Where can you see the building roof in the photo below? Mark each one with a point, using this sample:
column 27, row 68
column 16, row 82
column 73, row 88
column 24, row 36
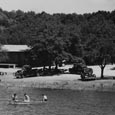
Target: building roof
column 14, row 48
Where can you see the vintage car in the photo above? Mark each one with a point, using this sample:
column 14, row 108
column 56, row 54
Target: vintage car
column 81, row 69
column 26, row 71
column 48, row 72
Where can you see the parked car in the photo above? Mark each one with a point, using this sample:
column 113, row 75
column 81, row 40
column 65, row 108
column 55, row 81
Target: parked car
column 81, row 69
column 26, row 71
column 87, row 77
column 47, row 72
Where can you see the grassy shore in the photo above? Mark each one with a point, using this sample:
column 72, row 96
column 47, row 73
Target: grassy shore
column 64, row 81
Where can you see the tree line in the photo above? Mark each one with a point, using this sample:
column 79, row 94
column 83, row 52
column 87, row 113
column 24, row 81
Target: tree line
column 57, row 37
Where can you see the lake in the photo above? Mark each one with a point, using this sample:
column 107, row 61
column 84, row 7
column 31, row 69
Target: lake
column 60, row 102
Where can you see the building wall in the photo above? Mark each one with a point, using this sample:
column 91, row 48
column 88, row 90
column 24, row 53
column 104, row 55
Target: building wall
column 18, row 58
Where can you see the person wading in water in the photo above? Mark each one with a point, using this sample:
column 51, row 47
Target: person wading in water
column 44, row 99
column 14, row 97
column 26, row 98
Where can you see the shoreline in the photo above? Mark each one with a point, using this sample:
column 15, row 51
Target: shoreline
column 63, row 81
column 74, row 84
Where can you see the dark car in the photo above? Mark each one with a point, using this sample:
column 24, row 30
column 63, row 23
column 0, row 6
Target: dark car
column 85, row 72
column 26, row 71
column 48, row 72
column 79, row 68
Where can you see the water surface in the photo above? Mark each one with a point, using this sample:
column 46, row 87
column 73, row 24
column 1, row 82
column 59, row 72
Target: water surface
column 60, row 102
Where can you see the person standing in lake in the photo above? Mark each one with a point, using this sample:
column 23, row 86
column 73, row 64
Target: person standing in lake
column 44, row 99
column 26, row 98
column 14, row 97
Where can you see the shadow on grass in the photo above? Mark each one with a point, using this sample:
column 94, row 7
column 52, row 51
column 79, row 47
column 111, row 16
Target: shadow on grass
column 106, row 78
column 99, row 78
column 86, row 79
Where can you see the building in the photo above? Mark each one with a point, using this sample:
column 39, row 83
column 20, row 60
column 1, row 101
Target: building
column 16, row 55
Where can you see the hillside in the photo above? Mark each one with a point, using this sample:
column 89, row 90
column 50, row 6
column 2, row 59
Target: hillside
column 59, row 37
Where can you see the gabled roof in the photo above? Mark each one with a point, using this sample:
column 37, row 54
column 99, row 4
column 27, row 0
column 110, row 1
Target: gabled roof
column 14, row 48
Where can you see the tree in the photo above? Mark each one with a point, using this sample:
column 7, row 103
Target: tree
column 103, row 58
column 104, row 54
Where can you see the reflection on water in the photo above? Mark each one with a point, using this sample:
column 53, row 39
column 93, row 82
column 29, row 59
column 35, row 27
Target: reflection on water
column 60, row 102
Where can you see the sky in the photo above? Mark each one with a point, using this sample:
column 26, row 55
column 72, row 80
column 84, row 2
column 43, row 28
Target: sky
column 58, row 6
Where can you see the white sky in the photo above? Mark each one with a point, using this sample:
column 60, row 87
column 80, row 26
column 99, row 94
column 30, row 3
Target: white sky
column 58, row 6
